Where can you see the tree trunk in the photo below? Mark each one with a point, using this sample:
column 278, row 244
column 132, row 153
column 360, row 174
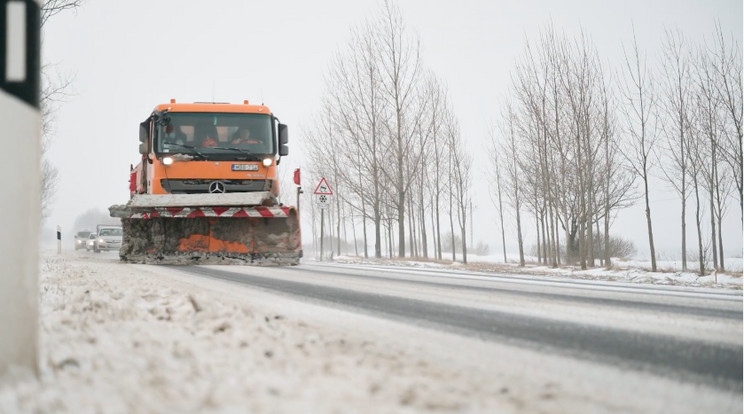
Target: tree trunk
column 434, row 229
column 713, row 238
column 648, row 223
column 463, row 232
column 720, row 246
column 439, row 230
column 537, row 235
column 353, row 232
column 553, row 243
column 364, row 228
column 698, row 219
column 422, row 214
column 607, row 259
column 412, row 249
column 684, row 231
column 557, row 240
column 378, row 233
column 401, row 222
column 452, row 233
column 338, row 222
column 546, row 246
column 519, row 235
column 501, row 217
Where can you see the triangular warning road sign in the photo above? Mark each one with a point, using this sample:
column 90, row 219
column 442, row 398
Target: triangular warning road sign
column 323, row 188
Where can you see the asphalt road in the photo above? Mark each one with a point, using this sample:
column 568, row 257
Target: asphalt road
column 687, row 334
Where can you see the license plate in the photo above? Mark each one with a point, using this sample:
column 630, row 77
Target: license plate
column 245, row 167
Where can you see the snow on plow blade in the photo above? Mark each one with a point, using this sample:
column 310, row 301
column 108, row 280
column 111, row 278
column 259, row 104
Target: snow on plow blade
column 226, row 232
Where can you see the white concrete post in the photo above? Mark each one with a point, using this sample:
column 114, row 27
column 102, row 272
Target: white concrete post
column 20, row 180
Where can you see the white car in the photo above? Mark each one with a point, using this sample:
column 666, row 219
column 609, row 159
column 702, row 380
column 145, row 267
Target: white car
column 90, row 244
column 81, row 239
column 108, row 238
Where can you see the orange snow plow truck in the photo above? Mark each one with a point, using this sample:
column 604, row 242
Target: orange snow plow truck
column 206, row 189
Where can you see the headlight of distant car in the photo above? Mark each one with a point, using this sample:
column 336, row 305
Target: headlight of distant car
column 101, row 241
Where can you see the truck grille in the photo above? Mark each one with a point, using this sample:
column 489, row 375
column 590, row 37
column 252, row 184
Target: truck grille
column 194, row 186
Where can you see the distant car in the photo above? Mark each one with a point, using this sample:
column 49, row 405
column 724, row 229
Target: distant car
column 81, row 238
column 90, row 244
column 108, row 238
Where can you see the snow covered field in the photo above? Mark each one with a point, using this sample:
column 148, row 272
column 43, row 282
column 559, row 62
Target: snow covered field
column 120, row 338
column 669, row 273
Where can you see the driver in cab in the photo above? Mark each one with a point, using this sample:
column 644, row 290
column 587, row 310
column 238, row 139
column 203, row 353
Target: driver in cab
column 243, row 137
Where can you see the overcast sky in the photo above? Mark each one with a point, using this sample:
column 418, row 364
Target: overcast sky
column 124, row 57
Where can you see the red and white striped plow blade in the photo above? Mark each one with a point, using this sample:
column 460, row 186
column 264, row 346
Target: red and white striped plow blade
column 223, row 212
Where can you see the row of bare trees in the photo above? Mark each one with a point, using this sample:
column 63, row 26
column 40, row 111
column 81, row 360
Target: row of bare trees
column 701, row 101
column 387, row 140
column 557, row 147
column 574, row 141
column 54, row 90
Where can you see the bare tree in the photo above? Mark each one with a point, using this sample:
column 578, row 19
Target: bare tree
column 616, row 185
column 496, row 159
column 727, row 64
column 642, row 130
column 51, row 8
column 513, row 172
column 460, row 178
column 711, row 125
column 355, row 87
column 676, row 107
column 434, row 167
column 54, row 90
column 695, row 154
column 400, row 63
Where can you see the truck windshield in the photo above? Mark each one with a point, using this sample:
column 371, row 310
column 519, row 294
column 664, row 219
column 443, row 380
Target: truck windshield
column 221, row 136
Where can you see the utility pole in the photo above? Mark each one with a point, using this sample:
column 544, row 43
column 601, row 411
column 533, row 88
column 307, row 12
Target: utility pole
column 20, row 179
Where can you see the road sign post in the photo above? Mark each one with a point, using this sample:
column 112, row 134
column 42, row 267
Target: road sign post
column 322, row 226
column 323, row 195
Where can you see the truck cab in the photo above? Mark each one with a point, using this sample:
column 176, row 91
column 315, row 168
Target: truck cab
column 193, row 148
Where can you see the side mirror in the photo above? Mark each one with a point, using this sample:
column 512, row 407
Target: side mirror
column 144, row 137
column 283, row 140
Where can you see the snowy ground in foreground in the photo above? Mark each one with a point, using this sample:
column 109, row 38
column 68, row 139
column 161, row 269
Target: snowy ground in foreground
column 120, row 338
column 143, row 339
column 669, row 273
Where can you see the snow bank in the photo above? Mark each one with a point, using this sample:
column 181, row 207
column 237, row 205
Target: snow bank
column 622, row 271
column 119, row 339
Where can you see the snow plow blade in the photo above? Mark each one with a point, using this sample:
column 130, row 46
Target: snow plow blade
column 208, row 229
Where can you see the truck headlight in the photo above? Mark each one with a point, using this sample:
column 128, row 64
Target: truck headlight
column 267, row 162
column 167, row 161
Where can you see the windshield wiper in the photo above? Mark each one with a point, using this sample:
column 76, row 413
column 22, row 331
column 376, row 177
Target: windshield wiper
column 188, row 147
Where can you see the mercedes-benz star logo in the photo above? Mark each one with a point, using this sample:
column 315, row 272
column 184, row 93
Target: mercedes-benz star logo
column 216, row 187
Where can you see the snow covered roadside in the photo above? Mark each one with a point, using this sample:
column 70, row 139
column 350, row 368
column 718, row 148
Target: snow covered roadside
column 121, row 339
column 622, row 271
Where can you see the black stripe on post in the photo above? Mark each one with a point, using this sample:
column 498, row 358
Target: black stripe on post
column 25, row 87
